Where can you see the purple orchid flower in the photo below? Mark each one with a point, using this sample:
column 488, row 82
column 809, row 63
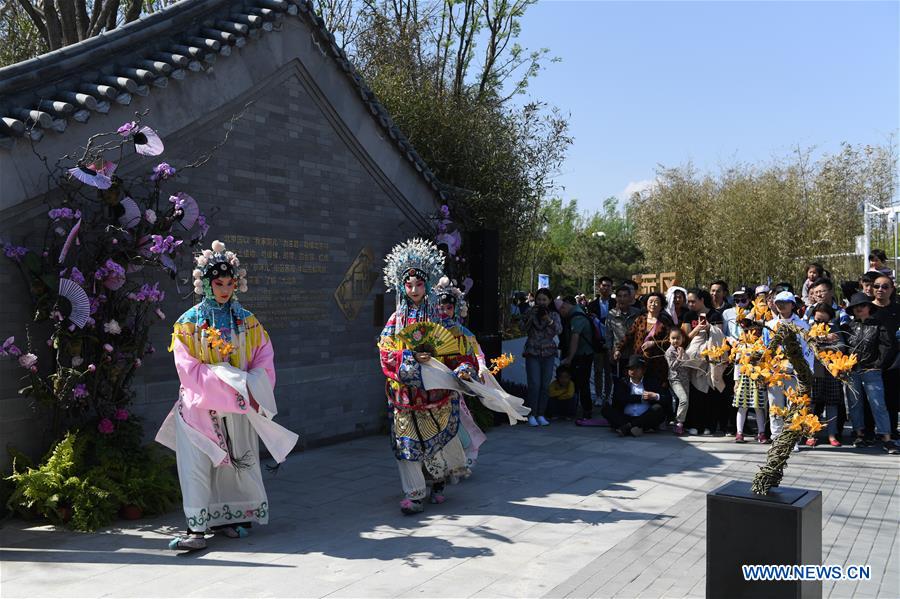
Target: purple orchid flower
column 9, row 348
column 15, row 252
column 164, row 245
column 162, row 171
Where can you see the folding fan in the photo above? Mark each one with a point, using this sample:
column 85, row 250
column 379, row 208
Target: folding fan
column 430, row 337
column 191, row 212
column 131, row 215
column 78, row 300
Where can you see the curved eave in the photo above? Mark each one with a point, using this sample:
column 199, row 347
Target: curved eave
column 47, row 94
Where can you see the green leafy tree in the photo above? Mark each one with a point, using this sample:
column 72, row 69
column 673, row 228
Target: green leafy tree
column 752, row 222
column 446, row 71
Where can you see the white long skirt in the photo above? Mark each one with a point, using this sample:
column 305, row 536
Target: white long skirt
column 215, row 496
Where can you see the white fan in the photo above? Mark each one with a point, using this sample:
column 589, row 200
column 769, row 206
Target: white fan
column 191, row 212
column 78, row 299
column 132, row 215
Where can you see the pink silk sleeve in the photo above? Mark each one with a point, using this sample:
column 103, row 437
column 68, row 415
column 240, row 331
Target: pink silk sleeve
column 205, row 390
column 264, row 357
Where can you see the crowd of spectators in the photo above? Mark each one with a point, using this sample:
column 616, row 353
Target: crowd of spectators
column 631, row 360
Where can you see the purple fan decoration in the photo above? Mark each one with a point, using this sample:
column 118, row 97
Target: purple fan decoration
column 78, row 298
column 91, row 177
column 453, row 241
column 190, row 211
column 147, row 142
column 132, row 215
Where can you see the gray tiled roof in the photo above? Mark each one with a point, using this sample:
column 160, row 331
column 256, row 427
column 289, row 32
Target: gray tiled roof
column 47, row 94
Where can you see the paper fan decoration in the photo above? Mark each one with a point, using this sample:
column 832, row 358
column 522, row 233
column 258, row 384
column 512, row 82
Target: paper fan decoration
column 191, row 210
column 131, row 214
column 89, row 176
column 78, row 300
column 147, row 142
column 428, row 337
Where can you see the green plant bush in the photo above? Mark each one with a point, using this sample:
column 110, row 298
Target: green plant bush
column 89, row 475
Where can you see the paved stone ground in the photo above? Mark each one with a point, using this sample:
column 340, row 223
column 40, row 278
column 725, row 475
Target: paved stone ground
column 558, row 511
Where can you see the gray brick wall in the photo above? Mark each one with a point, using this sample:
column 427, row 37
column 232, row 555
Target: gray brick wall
column 288, row 172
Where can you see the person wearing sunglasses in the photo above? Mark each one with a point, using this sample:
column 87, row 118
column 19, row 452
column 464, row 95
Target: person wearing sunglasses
column 888, row 314
column 741, row 299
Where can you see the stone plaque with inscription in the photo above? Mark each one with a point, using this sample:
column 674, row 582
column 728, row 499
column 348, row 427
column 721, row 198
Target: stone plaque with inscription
column 351, row 294
column 279, row 272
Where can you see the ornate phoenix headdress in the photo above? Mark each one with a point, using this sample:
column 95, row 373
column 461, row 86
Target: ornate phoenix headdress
column 447, row 289
column 414, row 256
column 215, row 263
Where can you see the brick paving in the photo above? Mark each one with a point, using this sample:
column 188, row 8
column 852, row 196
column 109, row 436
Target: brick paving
column 556, row 511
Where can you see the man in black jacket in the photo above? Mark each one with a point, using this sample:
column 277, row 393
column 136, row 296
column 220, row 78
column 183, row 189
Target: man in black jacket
column 620, row 329
column 870, row 341
column 637, row 401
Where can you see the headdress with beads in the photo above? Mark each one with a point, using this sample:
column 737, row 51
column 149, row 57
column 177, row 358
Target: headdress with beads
column 414, row 257
column 447, row 290
column 215, row 263
column 419, row 257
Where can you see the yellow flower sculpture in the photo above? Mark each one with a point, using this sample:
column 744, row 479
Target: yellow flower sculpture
column 796, row 414
column 763, row 365
column 501, row 362
column 819, row 330
column 760, row 310
column 837, row 363
column 795, row 399
column 720, row 353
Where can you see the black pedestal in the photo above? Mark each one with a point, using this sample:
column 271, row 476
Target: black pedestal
column 784, row 527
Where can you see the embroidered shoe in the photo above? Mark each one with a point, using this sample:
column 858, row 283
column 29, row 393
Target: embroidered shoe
column 411, row 506
column 532, row 421
column 542, row 421
column 234, row 532
column 189, row 543
column 437, row 494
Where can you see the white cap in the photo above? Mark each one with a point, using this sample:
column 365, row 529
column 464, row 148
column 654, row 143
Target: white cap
column 785, row 296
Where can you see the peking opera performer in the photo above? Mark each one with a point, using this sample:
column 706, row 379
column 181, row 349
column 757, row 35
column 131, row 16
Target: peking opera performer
column 425, row 384
column 225, row 363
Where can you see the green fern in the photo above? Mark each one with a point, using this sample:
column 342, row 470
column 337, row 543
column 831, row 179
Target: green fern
column 93, row 475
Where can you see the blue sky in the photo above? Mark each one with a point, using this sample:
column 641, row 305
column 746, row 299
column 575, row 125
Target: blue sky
column 650, row 83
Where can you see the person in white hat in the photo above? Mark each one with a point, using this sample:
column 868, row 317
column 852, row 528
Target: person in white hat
column 785, row 302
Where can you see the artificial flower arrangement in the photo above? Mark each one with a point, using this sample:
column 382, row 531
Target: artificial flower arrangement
column 96, row 280
column 770, row 365
column 95, row 290
column 217, row 344
column 501, row 362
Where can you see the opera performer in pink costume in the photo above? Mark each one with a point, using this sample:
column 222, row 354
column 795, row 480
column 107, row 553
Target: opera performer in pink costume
column 225, row 362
